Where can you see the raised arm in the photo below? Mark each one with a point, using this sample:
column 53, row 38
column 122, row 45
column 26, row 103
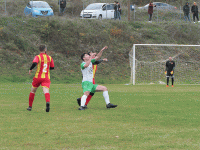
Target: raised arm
column 100, row 61
column 100, row 53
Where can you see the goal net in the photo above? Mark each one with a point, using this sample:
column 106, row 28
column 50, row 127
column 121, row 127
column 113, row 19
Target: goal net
column 148, row 63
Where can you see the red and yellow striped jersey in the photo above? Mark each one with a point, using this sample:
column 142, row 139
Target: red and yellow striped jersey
column 43, row 61
column 94, row 72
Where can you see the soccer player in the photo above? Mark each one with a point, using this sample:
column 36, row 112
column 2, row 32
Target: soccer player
column 43, row 62
column 170, row 65
column 94, row 66
column 87, row 82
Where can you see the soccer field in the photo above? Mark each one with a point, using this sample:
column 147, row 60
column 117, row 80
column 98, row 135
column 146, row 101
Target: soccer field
column 147, row 117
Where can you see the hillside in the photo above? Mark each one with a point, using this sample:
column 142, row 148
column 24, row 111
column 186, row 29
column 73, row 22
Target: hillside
column 67, row 38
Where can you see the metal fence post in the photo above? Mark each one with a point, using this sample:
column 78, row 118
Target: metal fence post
column 5, row 6
column 134, row 12
column 59, row 6
column 106, row 9
column 83, row 11
column 157, row 14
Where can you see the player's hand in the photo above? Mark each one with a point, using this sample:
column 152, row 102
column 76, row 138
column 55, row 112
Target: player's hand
column 105, row 59
column 172, row 72
column 30, row 72
column 106, row 47
column 165, row 72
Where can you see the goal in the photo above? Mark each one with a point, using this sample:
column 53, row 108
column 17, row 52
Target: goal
column 147, row 62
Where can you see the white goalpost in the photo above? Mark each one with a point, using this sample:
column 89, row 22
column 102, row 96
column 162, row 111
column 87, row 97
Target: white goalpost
column 147, row 62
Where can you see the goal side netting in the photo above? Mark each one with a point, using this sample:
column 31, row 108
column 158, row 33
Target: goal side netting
column 148, row 63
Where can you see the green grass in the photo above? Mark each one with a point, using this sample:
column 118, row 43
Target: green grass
column 147, row 117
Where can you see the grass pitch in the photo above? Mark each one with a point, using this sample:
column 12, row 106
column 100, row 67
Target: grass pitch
column 147, row 117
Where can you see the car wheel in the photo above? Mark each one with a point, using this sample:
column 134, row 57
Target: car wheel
column 100, row 17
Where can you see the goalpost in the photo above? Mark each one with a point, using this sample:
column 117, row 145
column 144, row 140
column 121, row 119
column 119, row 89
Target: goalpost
column 147, row 62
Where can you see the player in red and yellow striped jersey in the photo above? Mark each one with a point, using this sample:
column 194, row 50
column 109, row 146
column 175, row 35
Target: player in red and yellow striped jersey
column 43, row 62
column 94, row 66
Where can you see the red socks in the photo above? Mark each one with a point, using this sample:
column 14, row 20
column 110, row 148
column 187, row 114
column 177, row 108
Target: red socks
column 88, row 99
column 32, row 95
column 47, row 97
column 31, row 99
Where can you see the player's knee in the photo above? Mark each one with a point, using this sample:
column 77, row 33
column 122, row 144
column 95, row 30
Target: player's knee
column 86, row 93
column 105, row 88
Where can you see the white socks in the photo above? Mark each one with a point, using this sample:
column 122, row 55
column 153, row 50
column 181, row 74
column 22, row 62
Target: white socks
column 106, row 97
column 83, row 100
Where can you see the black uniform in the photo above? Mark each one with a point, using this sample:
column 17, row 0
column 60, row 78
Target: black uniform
column 170, row 65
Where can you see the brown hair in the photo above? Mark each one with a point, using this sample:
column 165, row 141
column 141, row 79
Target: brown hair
column 42, row 47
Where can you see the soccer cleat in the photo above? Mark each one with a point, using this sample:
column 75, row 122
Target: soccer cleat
column 79, row 101
column 167, row 85
column 172, row 85
column 47, row 107
column 85, row 107
column 81, row 108
column 29, row 108
column 111, row 105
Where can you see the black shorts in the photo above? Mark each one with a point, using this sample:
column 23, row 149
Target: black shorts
column 169, row 74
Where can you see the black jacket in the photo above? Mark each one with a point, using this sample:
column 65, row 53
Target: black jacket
column 170, row 65
column 62, row 3
column 115, row 7
column 186, row 9
column 194, row 9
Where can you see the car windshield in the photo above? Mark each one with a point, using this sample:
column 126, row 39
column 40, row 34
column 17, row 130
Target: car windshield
column 40, row 5
column 93, row 7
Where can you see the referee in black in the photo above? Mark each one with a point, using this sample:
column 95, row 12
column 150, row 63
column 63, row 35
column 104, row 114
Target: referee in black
column 170, row 65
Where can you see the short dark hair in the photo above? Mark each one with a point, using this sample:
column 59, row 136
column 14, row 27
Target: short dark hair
column 83, row 55
column 42, row 47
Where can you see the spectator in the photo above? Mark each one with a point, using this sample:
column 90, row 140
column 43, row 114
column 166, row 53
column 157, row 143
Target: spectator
column 119, row 11
column 62, row 5
column 115, row 8
column 150, row 10
column 194, row 10
column 186, row 10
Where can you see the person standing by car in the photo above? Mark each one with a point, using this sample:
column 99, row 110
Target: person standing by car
column 194, row 11
column 186, row 10
column 116, row 10
column 150, row 10
column 62, row 4
column 119, row 11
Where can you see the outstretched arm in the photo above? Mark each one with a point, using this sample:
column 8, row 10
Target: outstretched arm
column 99, row 61
column 100, row 53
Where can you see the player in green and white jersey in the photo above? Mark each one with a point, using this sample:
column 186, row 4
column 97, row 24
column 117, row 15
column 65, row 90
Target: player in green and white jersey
column 87, row 82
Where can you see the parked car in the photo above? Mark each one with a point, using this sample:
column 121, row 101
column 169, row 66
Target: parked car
column 159, row 6
column 98, row 11
column 38, row 8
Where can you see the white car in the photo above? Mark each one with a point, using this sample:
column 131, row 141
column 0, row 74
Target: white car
column 98, row 11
